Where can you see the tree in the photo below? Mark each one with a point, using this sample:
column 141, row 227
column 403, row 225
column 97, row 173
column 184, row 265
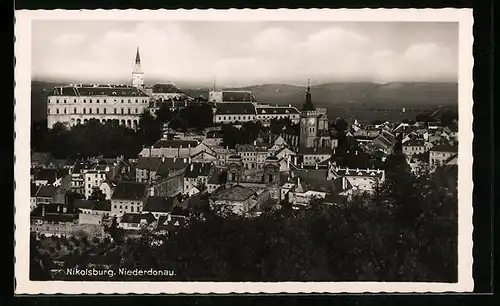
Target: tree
column 341, row 125
column 150, row 129
column 97, row 195
column 164, row 114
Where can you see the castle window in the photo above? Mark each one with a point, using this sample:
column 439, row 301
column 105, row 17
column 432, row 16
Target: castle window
column 74, row 110
column 136, row 110
column 65, row 111
column 97, row 110
column 104, row 111
column 136, row 101
column 57, row 101
column 90, row 111
column 90, row 100
column 84, row 110
column 123, row 111
column 84, row 101
column 48, row 110
column 64, row 100
column 104, row 101
column 128, row 111
column 114, row 111
column 57, row 111
column 122, row 100
column 74, row 100
column 97, row 101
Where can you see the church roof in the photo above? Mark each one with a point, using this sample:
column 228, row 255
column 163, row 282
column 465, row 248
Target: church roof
column 97, row 90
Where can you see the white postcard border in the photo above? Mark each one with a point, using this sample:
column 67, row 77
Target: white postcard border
column 22, row 149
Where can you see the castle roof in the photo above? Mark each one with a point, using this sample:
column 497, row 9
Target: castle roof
column 98, row 91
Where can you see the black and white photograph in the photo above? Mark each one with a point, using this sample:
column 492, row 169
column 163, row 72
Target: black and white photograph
column 243, row 151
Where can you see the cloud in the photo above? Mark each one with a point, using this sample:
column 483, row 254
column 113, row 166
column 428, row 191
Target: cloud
column 276, row 53
column 66, row 39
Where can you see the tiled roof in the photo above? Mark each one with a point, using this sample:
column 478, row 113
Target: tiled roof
column 84, row 204
column 198, row 169
column 149, row 163
column 237, row 96
column 414, row 143
column 166, row 88
column 175, row 223
column 375, row 173
column 315, row 151
column 171, row 164
column 445, row 147
column 98, row 90
column 129, row 191
column 267, row 110
column 136, row 218
column 234, row 193
column 175, row 143
column 46, row 191
column 159, row 204
column 235, row 109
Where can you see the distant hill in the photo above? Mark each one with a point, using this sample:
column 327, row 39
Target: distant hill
column 340, row 96
column 373, row 95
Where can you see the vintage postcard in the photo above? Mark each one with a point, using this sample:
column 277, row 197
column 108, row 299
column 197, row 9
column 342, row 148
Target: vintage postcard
column 243, row 151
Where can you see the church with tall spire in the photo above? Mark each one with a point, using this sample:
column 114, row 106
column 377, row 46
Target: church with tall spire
column 313, row 125
column 137, row 73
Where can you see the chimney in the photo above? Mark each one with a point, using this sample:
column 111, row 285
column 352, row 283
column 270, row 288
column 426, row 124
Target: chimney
column 344, row 183
column 163, row 159
column 191, row 167
column 189, row 159
column 298, row 180
column 316, row 166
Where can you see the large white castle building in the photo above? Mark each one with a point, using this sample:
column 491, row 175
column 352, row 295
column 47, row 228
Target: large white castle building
column 76, row 104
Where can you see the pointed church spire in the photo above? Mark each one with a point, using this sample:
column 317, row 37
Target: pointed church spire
column 137, row 67
column 308, row 105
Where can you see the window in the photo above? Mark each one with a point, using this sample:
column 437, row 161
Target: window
column 84, row 110
column 129, row 101
column 136, row 110
column 74, row 100
column 132, row 209
column 114, row 111
column 90, row 111
column 57, row 101
column 123, row 111
column 90, row 100
column 136, row 101
column 57, row 111
column 84, row 101
column 128, row 111
column 74, row 110
column 64, row 100
column 65, row 111
column 97, row 110
column 104, row 111
column 104, row 101
column 122, row 100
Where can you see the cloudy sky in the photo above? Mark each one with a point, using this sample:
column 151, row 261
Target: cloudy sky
column 244, row 53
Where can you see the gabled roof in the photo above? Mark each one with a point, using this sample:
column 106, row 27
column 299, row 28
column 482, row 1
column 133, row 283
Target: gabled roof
column 235, row 109
column 169, row 164
column 173, row 224
column 279, row 110
column 445, row 147
column 234, row 193
column 46, row 191
column 195, row 170
column 98, row 91
column 175, row 143
column 129, row 191
column 166, row 88
column 136, row 218
column 414, row 143
column 160, row 204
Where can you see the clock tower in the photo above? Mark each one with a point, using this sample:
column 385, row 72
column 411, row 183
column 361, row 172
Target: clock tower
column 308, row 122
